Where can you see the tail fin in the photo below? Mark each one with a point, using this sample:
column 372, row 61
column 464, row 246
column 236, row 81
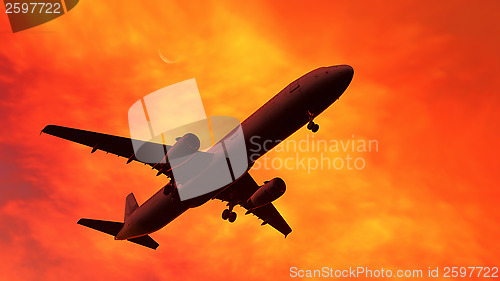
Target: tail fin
column 109, row 227
column 130, row 205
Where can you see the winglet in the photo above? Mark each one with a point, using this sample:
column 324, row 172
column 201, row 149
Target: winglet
column 43, row 130
column 47, row 129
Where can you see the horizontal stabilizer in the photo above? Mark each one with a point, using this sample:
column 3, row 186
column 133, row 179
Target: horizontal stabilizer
column 146, row 241
column 109, row 227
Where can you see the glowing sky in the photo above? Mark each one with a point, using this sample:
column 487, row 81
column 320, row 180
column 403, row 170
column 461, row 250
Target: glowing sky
column 425, row 87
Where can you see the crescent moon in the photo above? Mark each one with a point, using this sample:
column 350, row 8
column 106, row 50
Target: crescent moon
column 163, row 58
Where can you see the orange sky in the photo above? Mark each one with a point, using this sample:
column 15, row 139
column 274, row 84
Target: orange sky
column 425, row 87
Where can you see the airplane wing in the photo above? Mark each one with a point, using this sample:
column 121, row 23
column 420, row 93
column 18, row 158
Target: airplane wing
column 241, row 190
column 113, row 144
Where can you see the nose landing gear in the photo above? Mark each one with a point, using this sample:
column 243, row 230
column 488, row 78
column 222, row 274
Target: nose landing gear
column 311, row 125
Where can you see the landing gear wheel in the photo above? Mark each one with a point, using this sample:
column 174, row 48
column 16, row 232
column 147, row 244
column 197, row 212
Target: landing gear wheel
column 315, row 128
column 226, row 214
column 167, row 189
column 311, row 125
column 232, row 217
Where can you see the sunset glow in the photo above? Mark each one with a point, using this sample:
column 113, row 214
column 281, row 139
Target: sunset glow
column 425, row 89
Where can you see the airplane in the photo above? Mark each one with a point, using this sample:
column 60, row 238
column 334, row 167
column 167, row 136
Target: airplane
column 293, row 107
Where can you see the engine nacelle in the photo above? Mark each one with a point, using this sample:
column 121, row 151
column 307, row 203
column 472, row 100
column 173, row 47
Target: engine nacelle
column 186, row 145
column 267, row 193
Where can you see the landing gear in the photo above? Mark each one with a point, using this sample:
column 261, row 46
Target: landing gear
column 228, row 214
column 169, row 188
column 232, row 217
column 225, row 214
column 311, row 125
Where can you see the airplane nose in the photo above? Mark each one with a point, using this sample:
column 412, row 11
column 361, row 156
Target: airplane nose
column 339, row 77
column 347, row 70
column 344, row 73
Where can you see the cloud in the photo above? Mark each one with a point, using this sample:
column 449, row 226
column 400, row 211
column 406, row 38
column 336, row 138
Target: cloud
column 424, row 87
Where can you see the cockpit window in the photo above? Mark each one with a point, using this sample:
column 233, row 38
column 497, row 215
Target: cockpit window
column 294, row 86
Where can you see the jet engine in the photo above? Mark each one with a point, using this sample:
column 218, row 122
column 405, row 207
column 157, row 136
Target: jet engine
column 267, row 193
column 185, row 145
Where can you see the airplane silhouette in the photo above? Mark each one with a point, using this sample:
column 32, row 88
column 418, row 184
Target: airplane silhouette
column 293, row 107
